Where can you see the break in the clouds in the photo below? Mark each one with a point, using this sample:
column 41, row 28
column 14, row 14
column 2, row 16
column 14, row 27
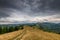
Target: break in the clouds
column 52, row 18
column 23, row 10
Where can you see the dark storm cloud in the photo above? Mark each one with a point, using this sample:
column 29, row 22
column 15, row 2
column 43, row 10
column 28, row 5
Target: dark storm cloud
column 5, row 12
column 3, row 15
column 35, row 7
column 40, row 4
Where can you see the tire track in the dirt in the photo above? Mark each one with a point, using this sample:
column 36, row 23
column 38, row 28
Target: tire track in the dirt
column 19, row 37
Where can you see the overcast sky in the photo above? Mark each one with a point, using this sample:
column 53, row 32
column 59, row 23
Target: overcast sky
column 32, row 10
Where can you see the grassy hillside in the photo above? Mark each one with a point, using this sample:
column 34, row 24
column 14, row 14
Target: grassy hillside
column 30, row 33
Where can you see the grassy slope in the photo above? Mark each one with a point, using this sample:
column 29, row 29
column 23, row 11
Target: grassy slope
column 36, row 34
column 30, row 34
column 11, row 35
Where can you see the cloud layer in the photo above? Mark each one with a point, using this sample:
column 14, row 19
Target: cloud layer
column 22, row 10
